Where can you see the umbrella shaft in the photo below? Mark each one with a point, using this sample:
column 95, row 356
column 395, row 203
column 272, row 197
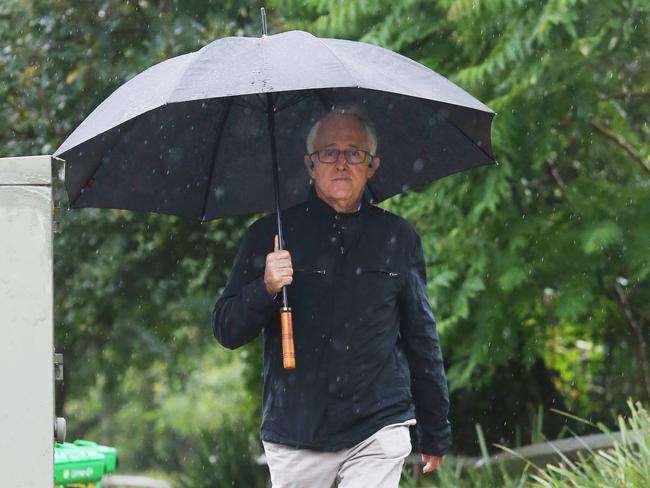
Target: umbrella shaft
column 270, row 111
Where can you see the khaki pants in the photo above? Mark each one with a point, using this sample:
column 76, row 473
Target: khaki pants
column 375, row 462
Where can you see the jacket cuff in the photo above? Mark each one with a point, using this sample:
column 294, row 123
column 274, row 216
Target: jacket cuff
column 435, row 442
column 256, row 297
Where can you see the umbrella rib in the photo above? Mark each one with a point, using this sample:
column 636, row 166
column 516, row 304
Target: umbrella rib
column 297, row 99
column 469, row 138
column 340, row 61
column 263, row 106
column 215, row 151
column 274, row 98
column 128, row 125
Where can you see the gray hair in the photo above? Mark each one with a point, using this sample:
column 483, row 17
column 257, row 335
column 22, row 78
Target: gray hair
column 352, row 110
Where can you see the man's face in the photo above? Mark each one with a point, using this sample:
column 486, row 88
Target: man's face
column 341, row 184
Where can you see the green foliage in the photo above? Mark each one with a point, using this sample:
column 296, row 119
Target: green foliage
column 133, row 292
column 627, row 463
column 224, row 457
column 453, row 475
column 524, row 256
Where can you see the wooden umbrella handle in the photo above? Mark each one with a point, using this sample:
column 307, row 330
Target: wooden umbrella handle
column 288, row 351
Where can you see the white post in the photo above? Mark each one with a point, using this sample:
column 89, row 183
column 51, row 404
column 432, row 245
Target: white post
column 26, row 335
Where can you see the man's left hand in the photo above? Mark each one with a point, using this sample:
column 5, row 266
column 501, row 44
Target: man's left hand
column 432, row 462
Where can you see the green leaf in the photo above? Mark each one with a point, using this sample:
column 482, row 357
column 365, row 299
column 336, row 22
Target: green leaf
column 512, row 278
column 601, row 236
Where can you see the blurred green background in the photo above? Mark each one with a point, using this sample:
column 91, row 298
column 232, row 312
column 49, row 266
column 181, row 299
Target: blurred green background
column 539, row 268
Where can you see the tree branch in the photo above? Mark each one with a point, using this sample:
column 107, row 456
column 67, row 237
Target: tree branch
column 556, row 175
column 623, row 143
column 638, row 342
column 618, row 96
column 142, row 14
column 163, row 7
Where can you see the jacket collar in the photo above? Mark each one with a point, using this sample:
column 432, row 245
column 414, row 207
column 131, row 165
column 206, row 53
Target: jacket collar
column 322, row 208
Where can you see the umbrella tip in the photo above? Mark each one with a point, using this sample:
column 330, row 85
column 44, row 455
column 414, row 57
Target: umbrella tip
column 263, row 16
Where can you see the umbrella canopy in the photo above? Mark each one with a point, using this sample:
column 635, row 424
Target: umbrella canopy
column 190, row 135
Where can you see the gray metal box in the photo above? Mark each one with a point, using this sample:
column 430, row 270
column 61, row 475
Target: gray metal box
column 26, row 340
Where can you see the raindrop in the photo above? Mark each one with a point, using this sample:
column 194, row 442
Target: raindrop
column 175, row 153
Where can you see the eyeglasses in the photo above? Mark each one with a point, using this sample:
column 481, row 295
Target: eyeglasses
column 331, row 156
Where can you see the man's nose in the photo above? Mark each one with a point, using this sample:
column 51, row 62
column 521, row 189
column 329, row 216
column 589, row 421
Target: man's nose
column 341, row 161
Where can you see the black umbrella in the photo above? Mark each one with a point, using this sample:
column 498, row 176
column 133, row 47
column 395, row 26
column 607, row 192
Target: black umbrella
column 192, row 135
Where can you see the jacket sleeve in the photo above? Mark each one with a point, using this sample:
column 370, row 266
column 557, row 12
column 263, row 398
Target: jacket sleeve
column 245, row 307
column 422, row 348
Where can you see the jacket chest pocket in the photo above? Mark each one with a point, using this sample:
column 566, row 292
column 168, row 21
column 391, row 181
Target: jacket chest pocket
column 377, row 285
column 307, row 272
column 380, row 276
column 371, row 272
column 309, row 277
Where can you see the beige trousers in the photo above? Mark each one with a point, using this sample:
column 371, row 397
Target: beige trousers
column 375, row 462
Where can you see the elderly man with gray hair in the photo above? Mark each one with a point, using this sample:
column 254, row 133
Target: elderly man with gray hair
column 365, row 337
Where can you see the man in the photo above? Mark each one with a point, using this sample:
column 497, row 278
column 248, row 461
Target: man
column 368, row 361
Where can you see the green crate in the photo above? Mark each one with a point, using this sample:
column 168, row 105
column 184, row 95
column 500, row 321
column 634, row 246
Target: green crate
column 109, row 453
column 82, row 463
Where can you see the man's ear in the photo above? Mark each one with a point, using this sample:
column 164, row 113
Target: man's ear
column 309, row 164
column 375, row 166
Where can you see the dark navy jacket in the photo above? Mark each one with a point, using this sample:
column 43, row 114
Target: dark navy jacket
column 367, row 350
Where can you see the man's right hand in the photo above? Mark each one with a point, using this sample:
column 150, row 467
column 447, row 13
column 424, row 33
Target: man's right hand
column 278, row 271
column 432, row 462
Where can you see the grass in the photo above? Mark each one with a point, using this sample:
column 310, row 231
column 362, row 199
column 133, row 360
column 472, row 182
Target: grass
column 449, row 475
column 625, row 464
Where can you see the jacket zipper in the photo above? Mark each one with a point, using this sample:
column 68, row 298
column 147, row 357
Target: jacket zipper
column 311, row 271
column 390, row 274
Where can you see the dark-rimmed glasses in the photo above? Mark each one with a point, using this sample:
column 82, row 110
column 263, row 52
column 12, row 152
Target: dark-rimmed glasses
column 331, row 156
